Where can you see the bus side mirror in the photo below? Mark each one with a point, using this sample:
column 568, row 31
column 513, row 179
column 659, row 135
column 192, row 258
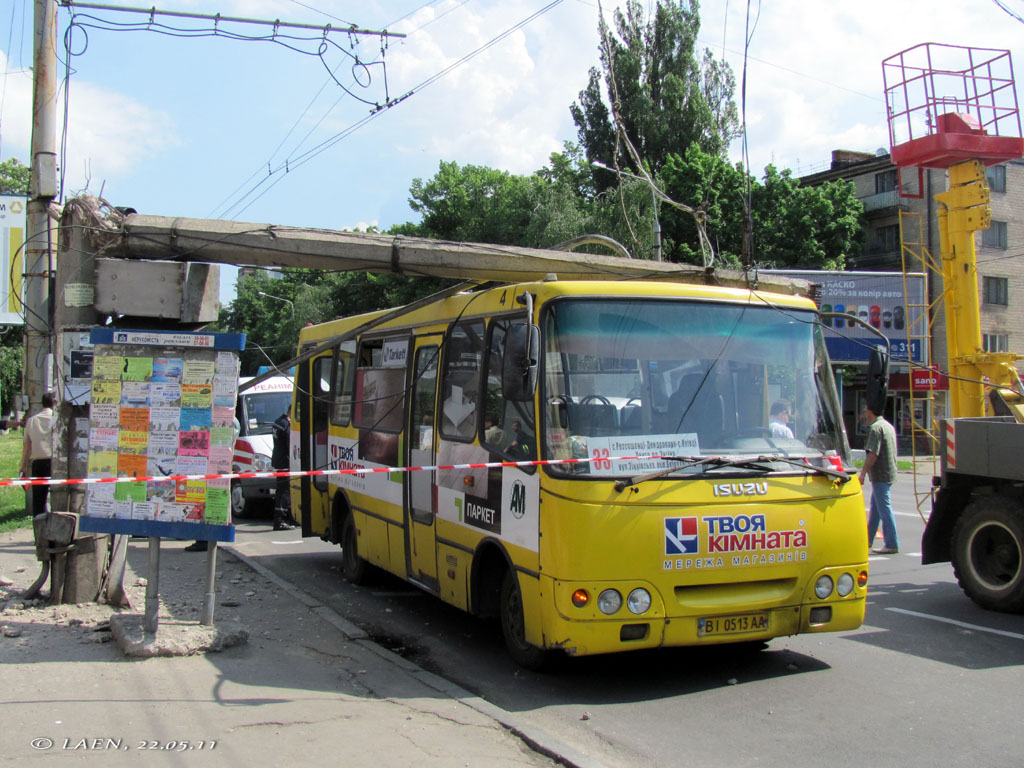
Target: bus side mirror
column 878, row 380
column 519, row 363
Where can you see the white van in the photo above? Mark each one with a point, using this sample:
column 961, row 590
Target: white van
column 257, row 409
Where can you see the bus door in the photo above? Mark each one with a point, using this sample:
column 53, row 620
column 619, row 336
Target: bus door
column 420, row 499
column 315, row 397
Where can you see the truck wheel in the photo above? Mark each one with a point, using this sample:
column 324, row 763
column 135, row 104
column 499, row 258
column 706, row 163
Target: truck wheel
column 239, row 506
column 988, row 544
column 513, row 627
column 354, row 567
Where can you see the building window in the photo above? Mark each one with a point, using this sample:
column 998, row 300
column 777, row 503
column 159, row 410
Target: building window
column 995, row 342
column 886, row 181
column 995, row 290
column 996, row 175
column 887, row 238
column 995, row 235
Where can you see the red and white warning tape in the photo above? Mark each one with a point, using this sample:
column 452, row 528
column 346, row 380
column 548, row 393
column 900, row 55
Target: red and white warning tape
column 25, row 481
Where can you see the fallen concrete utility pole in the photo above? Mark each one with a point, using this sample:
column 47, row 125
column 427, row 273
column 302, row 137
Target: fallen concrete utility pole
column 267, row 245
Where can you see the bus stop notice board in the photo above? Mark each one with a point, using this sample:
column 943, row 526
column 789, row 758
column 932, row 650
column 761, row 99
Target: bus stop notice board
column 162, row 405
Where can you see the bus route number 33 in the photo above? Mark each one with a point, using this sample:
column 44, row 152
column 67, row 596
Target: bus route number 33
column 600, row 458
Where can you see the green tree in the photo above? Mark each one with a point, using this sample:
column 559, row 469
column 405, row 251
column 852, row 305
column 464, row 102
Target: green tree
column 474, row 203
column 12, row 353
column 271, row 311
column 14, row 177
column 794, row 226
column 665, row 95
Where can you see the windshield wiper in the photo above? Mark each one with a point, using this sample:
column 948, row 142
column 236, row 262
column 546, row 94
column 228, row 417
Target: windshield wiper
column 688, row 462
column 723, row 462
column 841, row 476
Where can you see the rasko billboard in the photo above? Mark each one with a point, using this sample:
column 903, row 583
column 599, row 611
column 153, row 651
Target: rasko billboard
column 877, row 298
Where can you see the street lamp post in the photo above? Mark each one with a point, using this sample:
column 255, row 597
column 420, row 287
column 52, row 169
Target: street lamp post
column 291, row 304
column 656, row 226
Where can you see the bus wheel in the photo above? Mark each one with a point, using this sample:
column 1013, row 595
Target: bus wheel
column 239, row 506
column 356, row 569
column 513, row 627
column 988, row 553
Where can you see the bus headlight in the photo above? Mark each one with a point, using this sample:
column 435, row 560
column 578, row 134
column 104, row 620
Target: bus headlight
column 845, row 585
column 823, row 586
column 639, row 601
column 609, row 601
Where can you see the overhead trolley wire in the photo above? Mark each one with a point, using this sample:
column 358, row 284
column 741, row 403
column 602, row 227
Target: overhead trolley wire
column 276, row 174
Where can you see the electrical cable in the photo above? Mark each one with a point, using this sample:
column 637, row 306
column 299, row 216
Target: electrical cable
column 320, row 43
column 305, row 157
column 325, row 13
column 7, row 69
column 1011, row 13
column 309, row 106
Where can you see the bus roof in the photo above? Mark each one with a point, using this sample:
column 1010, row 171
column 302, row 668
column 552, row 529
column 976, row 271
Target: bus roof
column 501, row 298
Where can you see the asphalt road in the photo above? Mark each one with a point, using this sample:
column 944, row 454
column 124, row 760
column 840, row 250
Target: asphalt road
column 929, row 680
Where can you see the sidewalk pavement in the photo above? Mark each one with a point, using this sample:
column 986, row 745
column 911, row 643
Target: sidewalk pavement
column 301, row 683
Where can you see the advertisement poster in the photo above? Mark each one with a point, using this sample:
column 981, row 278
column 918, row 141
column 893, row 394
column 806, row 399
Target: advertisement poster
column 880, row 300
column 13, row 226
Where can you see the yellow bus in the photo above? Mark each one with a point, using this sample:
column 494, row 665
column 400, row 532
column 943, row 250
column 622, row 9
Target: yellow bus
column 606, row 465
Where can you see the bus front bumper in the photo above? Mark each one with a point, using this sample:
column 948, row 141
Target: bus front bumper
column 579, row 638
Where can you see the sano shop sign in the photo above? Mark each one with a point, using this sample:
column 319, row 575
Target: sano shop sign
column 919, row 380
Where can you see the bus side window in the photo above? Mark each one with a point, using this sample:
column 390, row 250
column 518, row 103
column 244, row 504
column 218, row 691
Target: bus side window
column 344, row 374
column 511, row 424
column 460, row 392
column 380, row 386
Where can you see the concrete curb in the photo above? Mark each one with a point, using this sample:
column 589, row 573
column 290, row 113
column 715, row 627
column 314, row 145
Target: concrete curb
column 537, row 739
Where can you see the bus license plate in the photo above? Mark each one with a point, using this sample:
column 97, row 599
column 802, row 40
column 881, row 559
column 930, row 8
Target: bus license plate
column 732, row 625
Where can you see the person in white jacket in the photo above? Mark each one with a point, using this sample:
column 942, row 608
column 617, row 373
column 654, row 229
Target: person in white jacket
column 37, row 453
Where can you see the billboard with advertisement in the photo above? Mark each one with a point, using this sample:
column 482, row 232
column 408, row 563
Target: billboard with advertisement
column 877, row 298
column 13, row 219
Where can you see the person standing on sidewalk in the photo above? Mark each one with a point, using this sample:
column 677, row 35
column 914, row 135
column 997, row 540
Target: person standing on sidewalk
column 37, row 452
column 880, row 466
column 283, row 520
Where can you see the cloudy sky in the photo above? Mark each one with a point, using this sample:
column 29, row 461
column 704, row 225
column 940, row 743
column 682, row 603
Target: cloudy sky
column 215, row 127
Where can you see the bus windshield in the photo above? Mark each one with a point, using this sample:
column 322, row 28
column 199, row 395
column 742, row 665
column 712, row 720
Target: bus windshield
column 643, row 377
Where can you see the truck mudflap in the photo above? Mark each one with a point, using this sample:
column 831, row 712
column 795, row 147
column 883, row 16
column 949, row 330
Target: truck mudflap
column 935, row 541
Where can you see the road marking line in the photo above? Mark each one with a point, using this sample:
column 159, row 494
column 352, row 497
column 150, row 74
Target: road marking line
column 965, row 625
column 286, row 542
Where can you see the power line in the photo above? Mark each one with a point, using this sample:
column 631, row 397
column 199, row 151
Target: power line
column 275, row 175
column 318, row 10
column 312, row 101
column 1013, row 14
column 218, row 18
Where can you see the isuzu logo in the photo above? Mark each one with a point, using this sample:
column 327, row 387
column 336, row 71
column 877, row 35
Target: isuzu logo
column 741, row 489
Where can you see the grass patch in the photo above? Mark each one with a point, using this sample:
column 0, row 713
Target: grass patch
column 12, row 500
column 900, row 465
